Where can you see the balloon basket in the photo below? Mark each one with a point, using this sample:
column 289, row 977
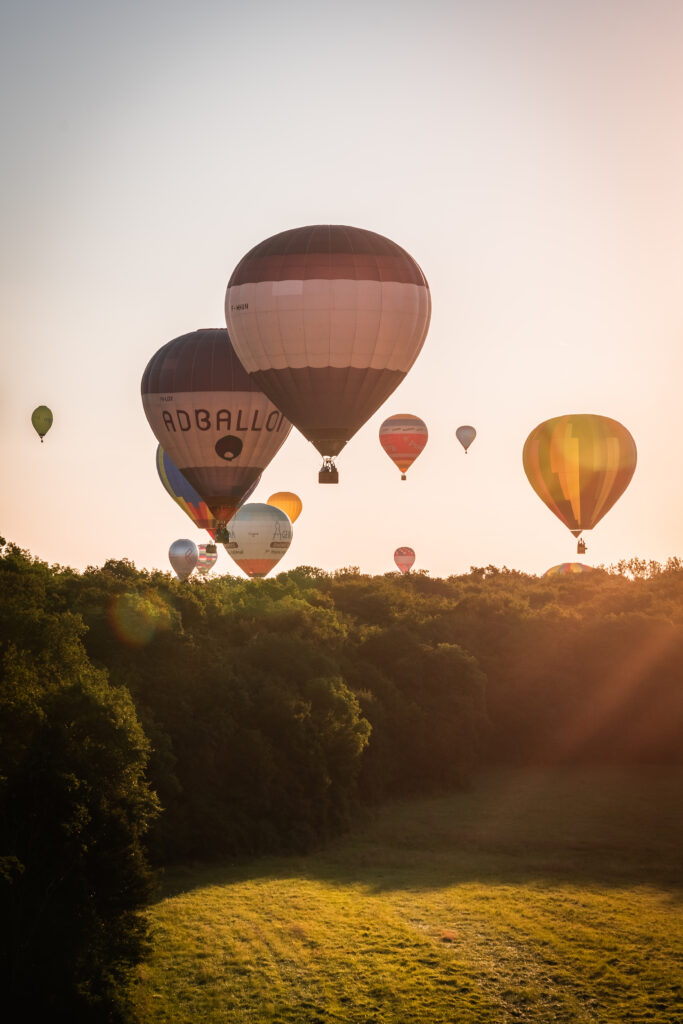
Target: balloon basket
column 328, row 476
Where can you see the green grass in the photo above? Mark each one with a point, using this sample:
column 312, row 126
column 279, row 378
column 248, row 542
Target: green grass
column 551, row 897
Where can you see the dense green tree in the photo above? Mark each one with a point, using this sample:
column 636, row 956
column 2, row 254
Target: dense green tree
column 74, row 808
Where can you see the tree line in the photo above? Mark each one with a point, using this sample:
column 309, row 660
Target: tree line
column 144, row 721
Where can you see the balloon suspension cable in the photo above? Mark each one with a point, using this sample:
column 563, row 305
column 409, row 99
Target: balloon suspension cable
column 329, row 474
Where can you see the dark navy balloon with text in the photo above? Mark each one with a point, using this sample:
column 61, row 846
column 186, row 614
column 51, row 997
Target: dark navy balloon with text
column 211, row 418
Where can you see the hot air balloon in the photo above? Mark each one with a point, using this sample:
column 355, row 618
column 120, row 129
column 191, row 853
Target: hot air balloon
column 206, row 558
column 218, row 428
column 184, row 494
column 579, row 465
column 568, row 569
column 465, row 436
column 260, row 535
column 183, row 555
column 289, row 503
column 328, row 320
column 404, row 558
column 41, row 418
column 403, row 437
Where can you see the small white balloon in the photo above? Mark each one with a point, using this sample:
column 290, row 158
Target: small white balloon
column 465, row 436
column 183, row 555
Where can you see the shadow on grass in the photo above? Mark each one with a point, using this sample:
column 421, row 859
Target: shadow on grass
column 602, row 827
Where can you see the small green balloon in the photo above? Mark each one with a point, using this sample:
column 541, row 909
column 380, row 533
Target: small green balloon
column 41, row 418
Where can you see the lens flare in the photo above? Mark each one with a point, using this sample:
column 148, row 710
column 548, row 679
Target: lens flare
column 136, row 618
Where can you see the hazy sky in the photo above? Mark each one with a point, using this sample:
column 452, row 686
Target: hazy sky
column 529, row 155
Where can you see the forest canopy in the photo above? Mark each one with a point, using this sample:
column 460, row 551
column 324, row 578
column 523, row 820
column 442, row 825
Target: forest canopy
column 146, row 719
column 274, row 707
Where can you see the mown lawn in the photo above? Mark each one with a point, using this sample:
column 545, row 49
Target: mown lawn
column 551, row 897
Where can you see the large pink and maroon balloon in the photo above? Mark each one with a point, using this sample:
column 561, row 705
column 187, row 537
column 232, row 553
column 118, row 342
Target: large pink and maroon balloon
column 328, row 320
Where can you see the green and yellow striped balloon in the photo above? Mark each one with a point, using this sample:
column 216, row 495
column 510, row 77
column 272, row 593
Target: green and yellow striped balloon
column 579, row 465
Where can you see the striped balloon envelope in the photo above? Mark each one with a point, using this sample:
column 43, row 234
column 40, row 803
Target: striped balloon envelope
column 259, row 535
column 328, row 319
column 568, row 569
column 290, row 504
column 579, row 465
column 211, row 417
column 404, row 558
column 184, row 494
column 206, row 558
column 403, row 437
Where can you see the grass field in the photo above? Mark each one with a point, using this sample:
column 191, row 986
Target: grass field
column 551, row 897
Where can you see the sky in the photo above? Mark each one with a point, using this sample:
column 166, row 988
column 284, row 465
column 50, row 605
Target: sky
column 527, row 153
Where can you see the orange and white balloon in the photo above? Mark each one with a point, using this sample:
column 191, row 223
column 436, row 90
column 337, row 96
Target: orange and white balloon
column 403, row 437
